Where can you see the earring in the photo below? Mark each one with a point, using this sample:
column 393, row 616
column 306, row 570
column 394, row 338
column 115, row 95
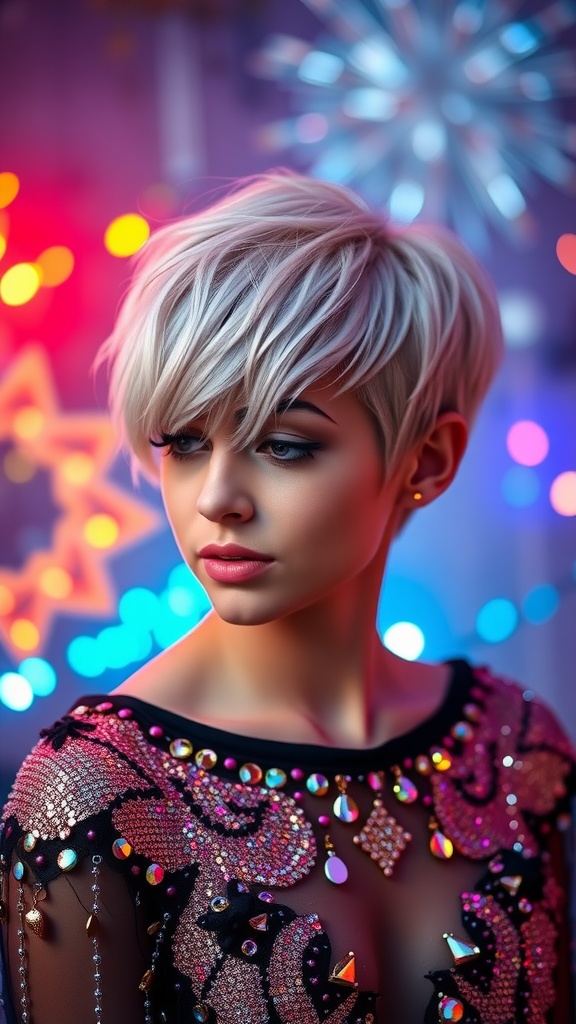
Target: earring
column 417, row 496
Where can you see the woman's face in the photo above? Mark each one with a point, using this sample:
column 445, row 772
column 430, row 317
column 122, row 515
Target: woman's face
column 307, row 500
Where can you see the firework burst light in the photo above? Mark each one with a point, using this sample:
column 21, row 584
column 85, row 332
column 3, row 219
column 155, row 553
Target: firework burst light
column 436, row 110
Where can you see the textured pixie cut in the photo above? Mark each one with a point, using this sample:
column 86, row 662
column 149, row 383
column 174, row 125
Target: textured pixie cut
column 287, row 280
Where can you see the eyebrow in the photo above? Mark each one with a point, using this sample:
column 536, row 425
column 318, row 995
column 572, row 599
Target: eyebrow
column 288, row 405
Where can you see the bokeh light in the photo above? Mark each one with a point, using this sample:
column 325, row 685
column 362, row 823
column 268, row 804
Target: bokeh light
column 9, row 188
column 527, row 442
column 563, row 494
column 126, row 234
column 139, row 607
column 520, row 486
column 15, row 691
column 40, row 674
column 496, row 620
column 541, row 603
column 56, row 582
column 121, row 645
column 85, row 657
column 28, row 422
column 101, row 530
column 24, row 634
column 566, row 252
column 3, row 245
column 522, row 316
column 56, row 264
column 405, row 639
column 19, row 284
column 77, row 469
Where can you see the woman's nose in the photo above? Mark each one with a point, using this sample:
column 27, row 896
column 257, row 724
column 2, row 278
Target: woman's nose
column 224, row 490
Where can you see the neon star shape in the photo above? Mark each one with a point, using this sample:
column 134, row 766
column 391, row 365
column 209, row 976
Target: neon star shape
column 95, row 517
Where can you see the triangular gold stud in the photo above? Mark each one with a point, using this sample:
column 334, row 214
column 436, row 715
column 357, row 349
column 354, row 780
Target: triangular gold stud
column 344, row 972
column 260, row 922
column 461, row 951
column 511, row 883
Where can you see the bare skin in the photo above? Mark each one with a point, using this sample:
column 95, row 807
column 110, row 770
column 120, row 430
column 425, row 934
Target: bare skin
column 293, row 654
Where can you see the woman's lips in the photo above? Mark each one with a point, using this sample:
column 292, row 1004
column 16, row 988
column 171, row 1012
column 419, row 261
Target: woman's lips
column 234, row 570
column 233, row 563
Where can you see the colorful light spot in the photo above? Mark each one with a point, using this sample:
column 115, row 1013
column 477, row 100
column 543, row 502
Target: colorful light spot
column 566, row 252
column 541, row 603
column 527, row 443
column 522, row 316
column 85, row 657
column 24, row 634
column 126, row 234
column 9, row 188
column 121, row 645
column 563, row 494
column 139, row 607
column 56, row 582
column 15, row 691
column 311, row 127
column 3, row 245
column 56, row 264
column 40, row 674
column 18, row 467
column 7, row 600
column 28, row 422
column 520, row 486
column 497, row 620
column 101, row 530
column 19, row 284
column 405, row 639
column 78, row 468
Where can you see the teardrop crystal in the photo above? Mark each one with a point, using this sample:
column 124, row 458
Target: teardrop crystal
column 345, row 808
column 335, row 870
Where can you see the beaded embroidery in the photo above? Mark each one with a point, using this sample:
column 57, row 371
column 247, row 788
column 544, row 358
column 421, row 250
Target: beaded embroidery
column 189, row 825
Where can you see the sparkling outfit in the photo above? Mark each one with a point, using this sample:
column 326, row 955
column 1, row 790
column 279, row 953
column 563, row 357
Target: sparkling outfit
column 157, row 870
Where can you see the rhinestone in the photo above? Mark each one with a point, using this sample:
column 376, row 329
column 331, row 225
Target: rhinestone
column 29, row 841
column 249, row 947
column 230, row 763
column 219, row 903
column 275, row 778
column 156, row 731
column 462, row 731
column 82, row 709
column 259, row 923
column 317, row 784
column 376, row 781
column 18, row 871
column 324, row 820
column 125, row 713
column 181, row 748
column 121, row 848
column 147, row 980
column 335, row 870
column 524, row 905
column 461, row 951
column 345, row 808
column 441, row 847
column 206, row 758
column 251, row 773
column 422, row 764
column 200, row 1013
column 450, row 1009
column 441, row 759
column 154, row 874
column 472, row 712
column 67, row 859
column 104, row 706
column 344, row 972
column 266, row 897
column 404, row 790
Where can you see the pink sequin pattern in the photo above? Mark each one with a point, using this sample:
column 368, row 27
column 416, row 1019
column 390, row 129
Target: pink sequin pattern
column 517, row 760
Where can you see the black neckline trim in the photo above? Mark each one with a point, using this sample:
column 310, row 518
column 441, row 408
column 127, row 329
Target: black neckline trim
column 306, row 755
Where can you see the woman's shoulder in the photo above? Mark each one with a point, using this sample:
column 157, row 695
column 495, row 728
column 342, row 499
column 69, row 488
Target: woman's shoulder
column 82, row 765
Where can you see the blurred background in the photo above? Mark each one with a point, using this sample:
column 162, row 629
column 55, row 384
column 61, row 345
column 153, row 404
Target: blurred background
column 118, row 116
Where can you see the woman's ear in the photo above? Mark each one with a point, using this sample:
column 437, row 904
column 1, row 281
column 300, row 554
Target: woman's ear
column 434, row 462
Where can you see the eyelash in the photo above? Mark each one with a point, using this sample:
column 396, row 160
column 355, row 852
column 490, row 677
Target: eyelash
column 305, row 449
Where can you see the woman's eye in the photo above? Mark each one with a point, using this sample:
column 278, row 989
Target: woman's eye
column 180, row 446
column 290, row 451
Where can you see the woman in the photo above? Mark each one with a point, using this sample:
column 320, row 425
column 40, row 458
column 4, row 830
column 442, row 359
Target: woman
column 278, row 820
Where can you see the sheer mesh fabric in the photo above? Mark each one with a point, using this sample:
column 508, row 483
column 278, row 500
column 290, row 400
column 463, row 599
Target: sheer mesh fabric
column 265, row 954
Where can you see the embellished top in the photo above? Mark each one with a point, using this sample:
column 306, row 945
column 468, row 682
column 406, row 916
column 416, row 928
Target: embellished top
column 159, row 871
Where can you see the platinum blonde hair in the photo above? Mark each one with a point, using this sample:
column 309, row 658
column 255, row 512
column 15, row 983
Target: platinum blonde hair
column 286, row 280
